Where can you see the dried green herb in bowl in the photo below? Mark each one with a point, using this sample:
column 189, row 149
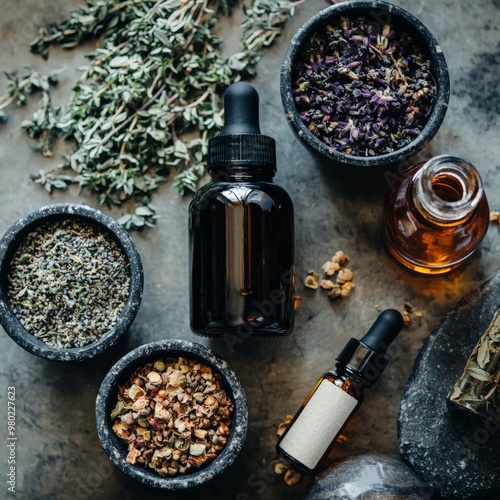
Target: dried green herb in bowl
column 68, row 282
column 71, row 282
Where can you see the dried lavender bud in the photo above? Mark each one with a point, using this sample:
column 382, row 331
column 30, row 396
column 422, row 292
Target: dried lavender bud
column 68, row 282
column 363, row 92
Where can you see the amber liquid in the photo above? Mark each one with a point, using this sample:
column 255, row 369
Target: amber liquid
column 427, row 246
column 241, row 260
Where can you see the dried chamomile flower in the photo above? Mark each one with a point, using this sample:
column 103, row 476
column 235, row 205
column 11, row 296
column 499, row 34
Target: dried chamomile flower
column 335, row 292
column 346, row 288
column 340, row 257
column 312, row 280
column 344, row 275
column 330, row 267
column 327, row 284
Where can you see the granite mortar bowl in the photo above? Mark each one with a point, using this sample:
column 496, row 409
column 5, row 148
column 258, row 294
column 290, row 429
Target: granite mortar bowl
column 13, row 238
column 378, row 14
column 120, row 373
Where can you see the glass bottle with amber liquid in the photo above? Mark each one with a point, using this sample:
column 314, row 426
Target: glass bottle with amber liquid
column 337, row 394
column 436, row 217
column 241, row 233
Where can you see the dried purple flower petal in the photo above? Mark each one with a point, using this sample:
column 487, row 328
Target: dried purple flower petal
column 362, row 91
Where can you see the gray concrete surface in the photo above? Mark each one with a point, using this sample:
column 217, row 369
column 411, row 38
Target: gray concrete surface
column 58, row 453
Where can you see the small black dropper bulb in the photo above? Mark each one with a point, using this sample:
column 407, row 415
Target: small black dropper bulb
column 383, row 331
column 241, row 143
column 365, row 359
column 241, row 109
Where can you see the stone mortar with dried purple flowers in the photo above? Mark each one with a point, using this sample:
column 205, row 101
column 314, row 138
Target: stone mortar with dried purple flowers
column 364, row 86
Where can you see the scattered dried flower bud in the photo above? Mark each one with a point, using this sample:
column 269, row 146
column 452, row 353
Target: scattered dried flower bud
column 291, row 477
column 495, row 216
column 335, row 292
column 326, row 266
column 406, row 317
column 280, row 468
column 340, row 257
column 344, row 275
column 419, row 314
column 327, row 284
column 312, row 280
column 346, row 288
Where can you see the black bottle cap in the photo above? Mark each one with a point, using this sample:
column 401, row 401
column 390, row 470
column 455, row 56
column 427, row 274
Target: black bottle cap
column 241, row 142
column 364, row 359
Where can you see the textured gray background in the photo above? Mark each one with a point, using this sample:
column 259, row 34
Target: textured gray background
column 58, row 453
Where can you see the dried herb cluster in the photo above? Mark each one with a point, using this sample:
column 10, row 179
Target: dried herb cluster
column 344, row 283
column 174, row 415
column 363, row 92
column 68, row 282
column 148, row 100
column 476, row 389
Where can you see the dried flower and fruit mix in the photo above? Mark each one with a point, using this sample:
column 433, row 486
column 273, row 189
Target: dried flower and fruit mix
column 68, row 282
column 363, row 91
column 174, row 414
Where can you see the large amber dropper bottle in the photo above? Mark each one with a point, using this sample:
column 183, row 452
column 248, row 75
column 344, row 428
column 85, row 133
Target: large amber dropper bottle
column 437, row 215
column 241, row 233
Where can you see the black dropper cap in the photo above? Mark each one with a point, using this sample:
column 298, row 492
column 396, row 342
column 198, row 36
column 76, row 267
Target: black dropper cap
column 241, row 142
column 365, row 359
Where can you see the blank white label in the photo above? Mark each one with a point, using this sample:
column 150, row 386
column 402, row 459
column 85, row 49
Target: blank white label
column 318, row 424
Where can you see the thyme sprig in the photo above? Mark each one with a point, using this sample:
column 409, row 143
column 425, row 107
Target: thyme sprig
column 149, row 99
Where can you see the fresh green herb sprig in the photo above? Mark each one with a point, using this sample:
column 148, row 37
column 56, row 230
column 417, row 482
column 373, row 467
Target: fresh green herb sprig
column 150, row 98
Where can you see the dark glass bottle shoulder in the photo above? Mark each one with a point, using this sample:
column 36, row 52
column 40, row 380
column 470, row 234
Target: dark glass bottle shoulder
column 267, row 195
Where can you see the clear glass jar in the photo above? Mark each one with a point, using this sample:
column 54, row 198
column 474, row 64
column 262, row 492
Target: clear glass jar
column 436, row 217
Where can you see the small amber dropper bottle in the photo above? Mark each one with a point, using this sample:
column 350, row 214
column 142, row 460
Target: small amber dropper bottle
column 437, row 215
column 337, row 394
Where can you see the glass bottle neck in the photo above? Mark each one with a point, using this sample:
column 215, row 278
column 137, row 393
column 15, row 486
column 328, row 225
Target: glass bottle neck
column 447, row 190
column 242, row 173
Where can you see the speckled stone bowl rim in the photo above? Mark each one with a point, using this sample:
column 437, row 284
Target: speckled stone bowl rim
column 122, row 370
column 58, row 211
column 362, row 163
